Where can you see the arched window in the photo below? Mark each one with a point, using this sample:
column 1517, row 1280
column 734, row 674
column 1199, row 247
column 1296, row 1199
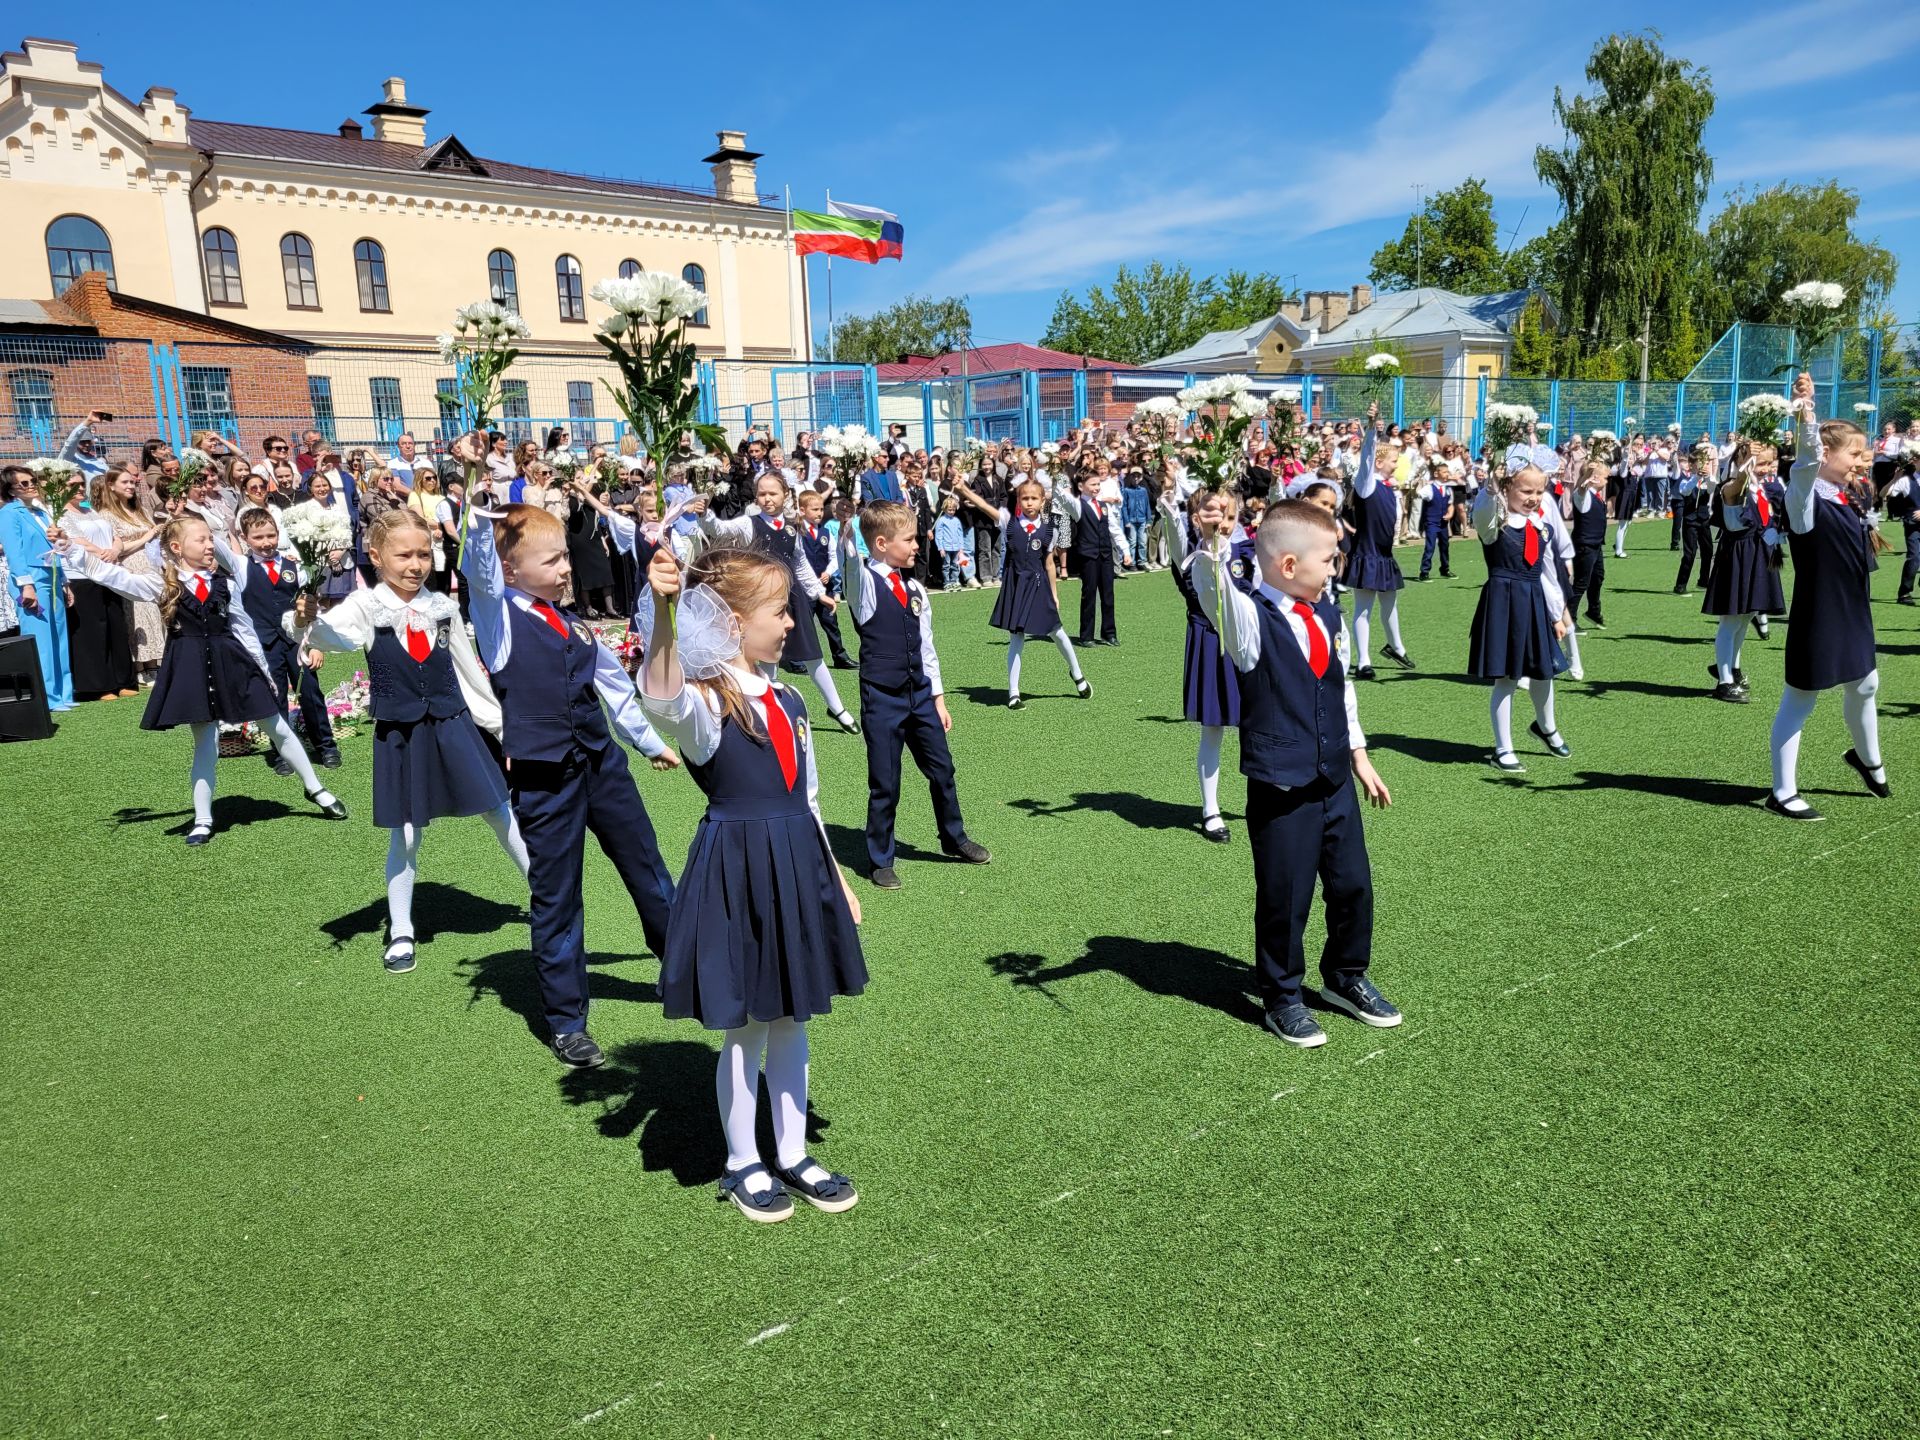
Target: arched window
column 76, row 245
column 221, row 256
column 697, row 278
column 566, row 276
column 296, row 266
column 370, row 266
column 629, row 269
column 503, row 283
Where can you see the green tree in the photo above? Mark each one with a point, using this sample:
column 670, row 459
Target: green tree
column 1534, row 340
column 1632, row 175
column 1157, row 310
column 1452, row 243
column 1538, row 264
column 1762, row 245
column 917, row 325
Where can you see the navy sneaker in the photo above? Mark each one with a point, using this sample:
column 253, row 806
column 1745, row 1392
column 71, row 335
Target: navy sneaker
column 576, row 1050
column 1360, row 1000
column 1296, row 1025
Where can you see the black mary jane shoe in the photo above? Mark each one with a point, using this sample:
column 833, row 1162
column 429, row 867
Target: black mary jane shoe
column 199, row 835
column 1732, row 694
column 1084, row 688
column 770, row 1205
column 847, row 723
column 1562, row 749
column 833, row 1194
column 1879, row 789
column 1215, row 829
column 333, row 809
column 1014, row 702
column 1399, row 657
column 1365, row 672
column 1507, row 765
column 1779, row 807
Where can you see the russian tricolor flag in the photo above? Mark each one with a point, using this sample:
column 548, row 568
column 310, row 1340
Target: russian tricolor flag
column 853, row 232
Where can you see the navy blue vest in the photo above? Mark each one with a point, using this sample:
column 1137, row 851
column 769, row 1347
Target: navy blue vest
column 813, row 546
column 404, row 689
column 549, row 708
column 202, row 617
column 1243, row 560
column 742, row 779
column 265, row 604
column 1293, row 726
column 1092, row 540
column 890, row 638
column 1588, row 528
column 1027, row 554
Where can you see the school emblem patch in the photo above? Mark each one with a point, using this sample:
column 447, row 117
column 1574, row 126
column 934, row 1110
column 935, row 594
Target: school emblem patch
column 1239, row 568
column 918, row 602
column 1033, row 542
column 803, row 732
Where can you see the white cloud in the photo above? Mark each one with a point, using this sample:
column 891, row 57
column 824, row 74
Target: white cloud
column 1804, row 45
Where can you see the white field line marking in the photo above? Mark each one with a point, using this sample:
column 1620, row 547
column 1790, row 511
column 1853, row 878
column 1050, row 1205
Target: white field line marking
column 980, row 1237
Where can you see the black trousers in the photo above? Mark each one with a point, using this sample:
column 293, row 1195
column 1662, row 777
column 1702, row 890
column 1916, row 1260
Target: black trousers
column 1696, row 543
column 1096, row 581
column 557, row 802
column 830, row 627
column 99, row 639
column 290, row 674
column 1297, row 835
column 889, row 720
column 1436, row 538
column 1589, row 575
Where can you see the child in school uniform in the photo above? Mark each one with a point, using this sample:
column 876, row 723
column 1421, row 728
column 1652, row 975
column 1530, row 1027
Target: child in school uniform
column 1211, row 685
column 816, row 548
column 1515, row 633
column 428, row 697
column 767, row 528
column 1091, row 551
column 1302, row 750
column 214, row 670
column 1830, row 627
column 269, row 582
column 1243, row 560
column 1029, row 598
column 1437, row 498
column 1746, row 570
column 902, row 695
column 761, row 939
column 1694, row 504
column 566, row 773
column 1587, row 528
column 1372, row 573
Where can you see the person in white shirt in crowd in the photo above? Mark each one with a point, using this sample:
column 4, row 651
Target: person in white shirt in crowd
column 83, row 448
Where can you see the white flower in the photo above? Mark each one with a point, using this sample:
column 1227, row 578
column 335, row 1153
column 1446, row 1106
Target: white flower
column 615, row 324
column 1628, row 421
column 1823, row 294
column 653, row 295
column 1248, row 405
column 1601, row 435
column 1383, row 360
column 48, row 467
column 1159, row 405
column 1861, row 407
column 704, row 462
column 1759, row 417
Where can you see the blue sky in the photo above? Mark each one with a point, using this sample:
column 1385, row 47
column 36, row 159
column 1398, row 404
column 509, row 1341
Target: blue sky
column 1033, row 147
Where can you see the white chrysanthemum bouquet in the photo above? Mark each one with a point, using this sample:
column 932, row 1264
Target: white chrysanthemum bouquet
column 194, row 463
column 1224, row 409
column 646, row 337
column 1382, row 369
column 1506, row 424
column 1762, row 416
column 482, row 344
column 315, row 532
column 851, row 448
column 1815, row 306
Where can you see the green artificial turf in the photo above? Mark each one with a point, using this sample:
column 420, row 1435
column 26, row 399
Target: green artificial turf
column 1642, row 1160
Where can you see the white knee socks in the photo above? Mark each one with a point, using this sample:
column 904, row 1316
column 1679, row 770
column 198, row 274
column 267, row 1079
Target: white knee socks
column 823, row 682
column 1796, row 705
column 1363, row 627
column 1863, row 721
column 1390, row 613
column 1620, row 541
column 1501, row 709
column 403, row 855
column 1541, row 693
column 291, row 751
column 1015, row 644
column 1727, row 636
column 206, row 755
column 1066, row 653
column 737, row 1087
column 1211, row 737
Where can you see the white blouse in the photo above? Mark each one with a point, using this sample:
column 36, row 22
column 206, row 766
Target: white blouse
column 351, row 624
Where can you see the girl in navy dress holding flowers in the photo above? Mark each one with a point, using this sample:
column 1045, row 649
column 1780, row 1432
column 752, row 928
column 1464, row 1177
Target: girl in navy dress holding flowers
column 428, row 690
column 1372, row 572
column 1745, row 581
column 761, row 937
column 1515, row 634
column 1029, row 598
column 1211, row 684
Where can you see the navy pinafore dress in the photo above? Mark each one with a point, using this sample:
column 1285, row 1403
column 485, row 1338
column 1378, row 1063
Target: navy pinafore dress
column 206, row 674
column 1512, row 632
column 1745, row 580
column 1025, row 604
column 1376, row 520
column 428, row 758
column 1210, row 689
column 759, row 928
column 1830, row 626
column 803, row 641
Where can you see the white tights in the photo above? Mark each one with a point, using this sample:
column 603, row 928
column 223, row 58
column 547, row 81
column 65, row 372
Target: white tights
column 1539, row 691
column 1796, row 705
column 737, row 1086
column 206, row 756
column 1363, row 601
column 1727, row 639
column 1210, row 739
column 403, row 861
column 1016, row 643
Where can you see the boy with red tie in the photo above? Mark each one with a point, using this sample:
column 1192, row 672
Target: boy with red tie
column 1091, row 557
column 1301, row 749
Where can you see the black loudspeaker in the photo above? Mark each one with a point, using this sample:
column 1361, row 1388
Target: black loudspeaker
column 23, row 698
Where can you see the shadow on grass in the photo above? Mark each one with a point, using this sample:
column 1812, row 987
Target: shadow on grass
column 1160, row 967
column 1431, row 748
column 662, row 1090
column 849, row 848
column 1664, row 639
column 437, row 909
column 1136, row 810
column 1601, row 689
column 509, row 977
column 1678, row 787
column 230, row 812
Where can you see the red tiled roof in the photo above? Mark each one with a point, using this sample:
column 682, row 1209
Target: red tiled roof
column 988, row 358
column 316, row 147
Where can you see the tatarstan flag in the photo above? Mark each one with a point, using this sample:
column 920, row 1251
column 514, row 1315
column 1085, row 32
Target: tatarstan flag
column 853, row 232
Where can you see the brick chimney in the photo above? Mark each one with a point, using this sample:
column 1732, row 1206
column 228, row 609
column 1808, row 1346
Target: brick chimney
column 394, row 120
column 350, row 129
column 1329, row 305
column 735, row 176
column 1291, row 309
column 1362, row 298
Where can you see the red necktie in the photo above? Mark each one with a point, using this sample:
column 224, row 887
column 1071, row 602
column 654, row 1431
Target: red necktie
column 418, row 646
column 200, row 588
column 1096, row 510
column 1530, row 547
column 899, row 590
column 546, row 613
column 1766, row 510
column 1316, row 638
column 776, row 523
column 780, row 733
column 273, row 572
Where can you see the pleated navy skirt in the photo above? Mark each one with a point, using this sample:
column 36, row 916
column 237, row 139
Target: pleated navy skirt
column 1368, row 569
column 207, row 678
column 430, row 768
column 1212, row 689
column 1024, row 605
column 1743, row 582
column 803, row 641
column 1512, row 632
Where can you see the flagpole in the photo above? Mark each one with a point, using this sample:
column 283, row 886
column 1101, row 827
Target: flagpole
column 831, row 355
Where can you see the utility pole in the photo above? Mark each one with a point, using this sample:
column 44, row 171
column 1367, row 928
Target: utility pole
column 1419, row 232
